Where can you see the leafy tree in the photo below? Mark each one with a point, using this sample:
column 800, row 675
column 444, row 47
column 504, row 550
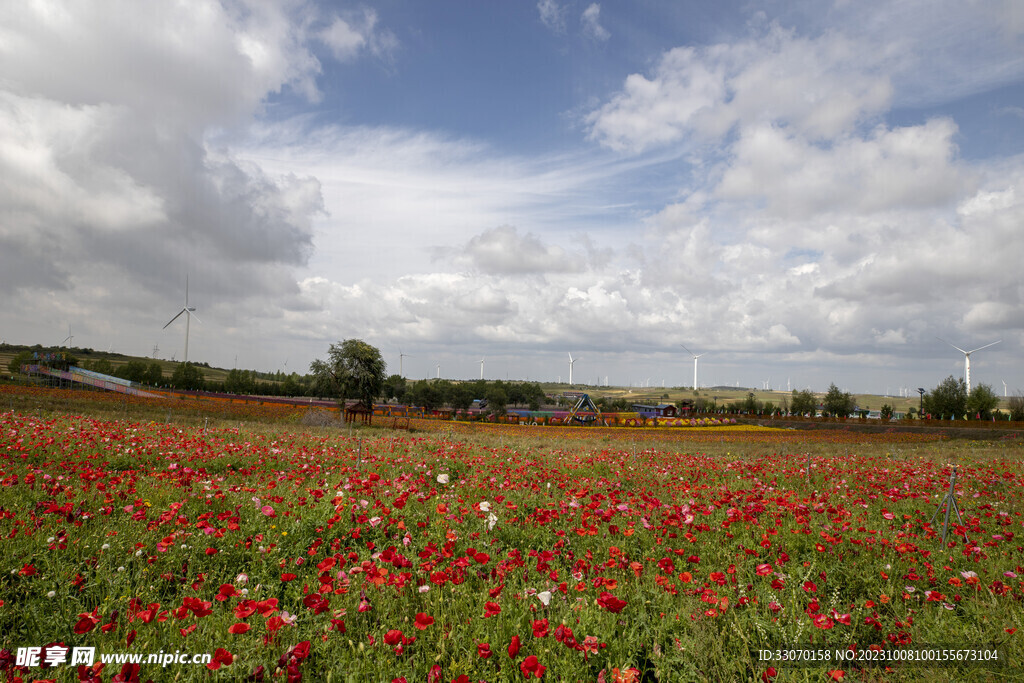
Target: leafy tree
column 886, row 412
column 394, row 387
column 497, row 399
column 838, row 403
column 424, row 393
column 535, row 396
column 982, row 401
column 353, row 369
column 23, row 358
column 947, row 399
column 185, row 376
column 1017, row 408
column 291, row 386
column 154, row 374
column 461, row 397
column 134, row 371
column 100, row 365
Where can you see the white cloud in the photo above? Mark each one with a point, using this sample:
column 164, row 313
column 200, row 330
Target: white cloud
column 504, row 250
column 815, row 87
column 348, row 37
column 552, row 15
column 906, row 167
column 590, row 22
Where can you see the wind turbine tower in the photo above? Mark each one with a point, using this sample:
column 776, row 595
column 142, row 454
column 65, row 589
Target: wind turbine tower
column 401, row 361
column 189, row 312
column 967, row 359
column 571, row 362
column 481, row 368
column 695, row 357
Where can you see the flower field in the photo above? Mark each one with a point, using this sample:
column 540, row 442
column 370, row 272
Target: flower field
column 499, row 553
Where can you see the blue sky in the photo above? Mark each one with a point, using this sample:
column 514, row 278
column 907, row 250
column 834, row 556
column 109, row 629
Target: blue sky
column 809, row 191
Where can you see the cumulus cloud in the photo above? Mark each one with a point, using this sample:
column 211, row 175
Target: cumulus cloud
column 110, row 185
column 817, row 87
column 590, row 21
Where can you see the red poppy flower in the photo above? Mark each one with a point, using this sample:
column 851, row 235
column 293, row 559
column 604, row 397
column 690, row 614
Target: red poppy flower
column 221, row 658
column 423, row 620
column 532, row 668
column 540, row 628
column 491, row 609
column 611, row 603
column 239, row 628
column 513, row 647
column 483, row 650
column 393, row 637
column 288, row 576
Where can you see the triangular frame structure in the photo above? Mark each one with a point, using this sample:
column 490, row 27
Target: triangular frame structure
column 584, row 411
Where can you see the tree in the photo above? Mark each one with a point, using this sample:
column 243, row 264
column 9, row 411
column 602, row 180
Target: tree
column 185, row 376
column 1017, row 408
column 394, row 387
column 982, row 401
column 154, row 375
column 886, row 412
column 23, row 358
column 353, row 369
column 135, row 371
column 947, row 399
column 838, row 403
column 497, row 399
column 803, row 403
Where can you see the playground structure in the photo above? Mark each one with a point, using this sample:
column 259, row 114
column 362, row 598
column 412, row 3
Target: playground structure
column 96, row 380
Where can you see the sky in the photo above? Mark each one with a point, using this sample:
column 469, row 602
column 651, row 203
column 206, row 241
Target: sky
column 804, row 192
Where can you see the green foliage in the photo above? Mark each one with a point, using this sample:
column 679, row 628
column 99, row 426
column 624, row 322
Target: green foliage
column 23, row 358
column 497, row 399
column 353, row 369
column 949, row 399
column 100, row 365
column 394, row 387
column 154, row 374
column 838, row 403
column 240, row 382
column 186, row 376
column 982, row 401
column 1017, row 408
column 135, row 371
column 886, row 412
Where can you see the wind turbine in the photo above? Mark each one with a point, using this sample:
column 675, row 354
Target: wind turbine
column 571, row 362
column 439, row 371
column 1004, row 388
column 695, row 357
column 67, row 339
column 401, row 359
column 967, row 359
column 189, row 312
column 481, row 368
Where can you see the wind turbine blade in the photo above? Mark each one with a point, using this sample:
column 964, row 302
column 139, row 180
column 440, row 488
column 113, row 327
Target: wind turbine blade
column 686, row 349
column 193, row 315
column 983, row 347
column 184, row 310
column 953, row 345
